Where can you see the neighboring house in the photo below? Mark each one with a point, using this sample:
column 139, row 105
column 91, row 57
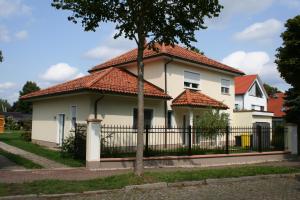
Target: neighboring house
column 276, row 105
column 250, row 102
column 180, row 85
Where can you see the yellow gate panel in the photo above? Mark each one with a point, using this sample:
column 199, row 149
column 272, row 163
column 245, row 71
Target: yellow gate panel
column 245, row 140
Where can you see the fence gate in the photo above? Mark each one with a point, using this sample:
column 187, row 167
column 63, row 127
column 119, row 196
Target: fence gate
column 2, row 122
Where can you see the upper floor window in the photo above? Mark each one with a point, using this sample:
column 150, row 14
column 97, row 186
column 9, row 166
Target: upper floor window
column 225, row 84
column 255, row 91
column 191, row 80
column 73, row 116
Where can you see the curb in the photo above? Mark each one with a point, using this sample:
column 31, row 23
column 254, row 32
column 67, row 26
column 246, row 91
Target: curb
column 154, row 186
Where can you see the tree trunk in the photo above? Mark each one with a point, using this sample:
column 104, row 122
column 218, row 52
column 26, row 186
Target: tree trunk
column 139, row 165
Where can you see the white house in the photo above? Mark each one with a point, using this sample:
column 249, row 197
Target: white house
column 250, row 102
column 180, row 85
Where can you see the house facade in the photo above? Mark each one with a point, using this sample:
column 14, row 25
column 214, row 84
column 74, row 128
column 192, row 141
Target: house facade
column 179, row 85
column 251, row 99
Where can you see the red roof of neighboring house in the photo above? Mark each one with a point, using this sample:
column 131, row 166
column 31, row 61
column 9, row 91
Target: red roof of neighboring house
column 176, row 52
column 196, row 98
column 243, row 83
column 110, row 80
column 275, row 104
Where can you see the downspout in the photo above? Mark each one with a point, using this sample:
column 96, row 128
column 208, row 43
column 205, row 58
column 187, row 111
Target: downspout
column 165, row 102
column 96, row 106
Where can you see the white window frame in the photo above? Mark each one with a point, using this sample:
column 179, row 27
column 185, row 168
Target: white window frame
column 225, row 86
column 190, row 80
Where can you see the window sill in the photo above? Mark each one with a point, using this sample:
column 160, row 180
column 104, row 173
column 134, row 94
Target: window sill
column 227, row 94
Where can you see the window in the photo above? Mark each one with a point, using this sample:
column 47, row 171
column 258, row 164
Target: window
column 258, row 108
column 148, row 116
column 73, row 117
column 255, row 91
column 225, row 84
column 170, row 116
column 191, row 80
column 236, row 106
column 262, row 108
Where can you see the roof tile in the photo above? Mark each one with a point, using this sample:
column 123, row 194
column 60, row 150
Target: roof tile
column 243, row 83
column 276, row 104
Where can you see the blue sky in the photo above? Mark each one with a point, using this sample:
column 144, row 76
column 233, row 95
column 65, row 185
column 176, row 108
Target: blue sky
column 40, row 44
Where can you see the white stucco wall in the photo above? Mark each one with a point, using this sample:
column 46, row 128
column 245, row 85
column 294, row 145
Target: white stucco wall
column 242, row 119
column 45, row 116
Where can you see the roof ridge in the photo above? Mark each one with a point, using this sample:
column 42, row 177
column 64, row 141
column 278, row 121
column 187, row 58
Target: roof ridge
column 108, row 70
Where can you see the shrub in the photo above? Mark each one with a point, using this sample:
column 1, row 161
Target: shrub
column 26, row 135
column 11, row 124
column 68, row 146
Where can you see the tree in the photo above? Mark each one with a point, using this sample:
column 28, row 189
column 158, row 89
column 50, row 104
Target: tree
column 212, row 122
column 1, row 56
column 157, row 21
column 25, row 106
column 4, row 105
column 288, row 61
column 270, row 89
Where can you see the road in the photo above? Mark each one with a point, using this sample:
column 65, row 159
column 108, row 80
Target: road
column 260, row 188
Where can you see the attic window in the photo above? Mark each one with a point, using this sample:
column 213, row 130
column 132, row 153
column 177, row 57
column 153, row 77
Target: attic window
column 255, row 91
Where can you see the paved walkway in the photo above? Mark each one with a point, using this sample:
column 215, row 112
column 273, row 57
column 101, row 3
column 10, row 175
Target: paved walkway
column 84, row 174
column 6, row 164
column 46, row 163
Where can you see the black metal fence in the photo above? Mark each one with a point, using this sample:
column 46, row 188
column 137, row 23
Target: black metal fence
column 121, row 141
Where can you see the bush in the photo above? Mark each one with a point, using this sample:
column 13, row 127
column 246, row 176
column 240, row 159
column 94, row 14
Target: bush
column 11, row 124
column 68, row 146
column 26, row 135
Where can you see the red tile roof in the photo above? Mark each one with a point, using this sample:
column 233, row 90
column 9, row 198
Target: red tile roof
column 176, row 52
column 243, row 83
column 196, row 98
column 110, row 80
column 275, row 104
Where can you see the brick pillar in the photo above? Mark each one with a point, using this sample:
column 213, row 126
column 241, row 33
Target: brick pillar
column 93, row 144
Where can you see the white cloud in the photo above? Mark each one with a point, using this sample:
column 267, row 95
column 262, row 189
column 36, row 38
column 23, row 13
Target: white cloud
column 7, row 85
column 60, row 72
column 21, row 35
column 260, row 31
column 257, row 62
column 4, row 34
column 13, row 7
column 238, row 7
column 110, row 48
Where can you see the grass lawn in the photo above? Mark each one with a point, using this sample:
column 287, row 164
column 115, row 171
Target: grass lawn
column 20, row 160
column 119, row 181
column 15, row 139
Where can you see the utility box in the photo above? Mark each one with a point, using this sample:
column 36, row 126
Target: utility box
column 2, row 123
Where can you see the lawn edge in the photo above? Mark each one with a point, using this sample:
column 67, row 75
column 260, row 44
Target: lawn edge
column 157, row 185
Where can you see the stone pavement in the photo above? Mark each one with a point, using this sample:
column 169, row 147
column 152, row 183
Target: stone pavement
column 6, row 164
column 46, row 163
column 85, row 174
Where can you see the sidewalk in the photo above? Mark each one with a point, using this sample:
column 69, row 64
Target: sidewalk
column 19, row 176
column 46, row 163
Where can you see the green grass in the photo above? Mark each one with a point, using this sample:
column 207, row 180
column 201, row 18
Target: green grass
column 20, row 160
column 120, row 181
column 15, row 139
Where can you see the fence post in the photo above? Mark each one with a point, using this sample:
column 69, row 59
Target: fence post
column 227, row 140
column 93, row 143
column 190, row 140
column 147, row 141
column 291, row 139
column 259, row 134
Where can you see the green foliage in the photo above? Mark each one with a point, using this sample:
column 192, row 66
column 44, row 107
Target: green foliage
column 4, row 105
column 212, row 123
column 168, row 22
column 1, row 56
column 68, row 146
column 26, row 135
column 270, row 89
column 288, row 61
column 25, row 106
column 11, row 124
column 196, row 50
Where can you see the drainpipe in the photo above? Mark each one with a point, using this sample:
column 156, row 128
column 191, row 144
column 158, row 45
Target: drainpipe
column 165, row 102
column 96, row 106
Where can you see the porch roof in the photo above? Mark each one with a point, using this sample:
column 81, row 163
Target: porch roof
column 195, row 98
column 110, row 80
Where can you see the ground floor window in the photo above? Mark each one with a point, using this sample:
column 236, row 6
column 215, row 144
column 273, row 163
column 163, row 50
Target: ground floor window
column 170, row 116
column 148, row 116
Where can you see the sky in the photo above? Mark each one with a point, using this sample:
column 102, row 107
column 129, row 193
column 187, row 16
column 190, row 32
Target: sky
column 39, row 43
